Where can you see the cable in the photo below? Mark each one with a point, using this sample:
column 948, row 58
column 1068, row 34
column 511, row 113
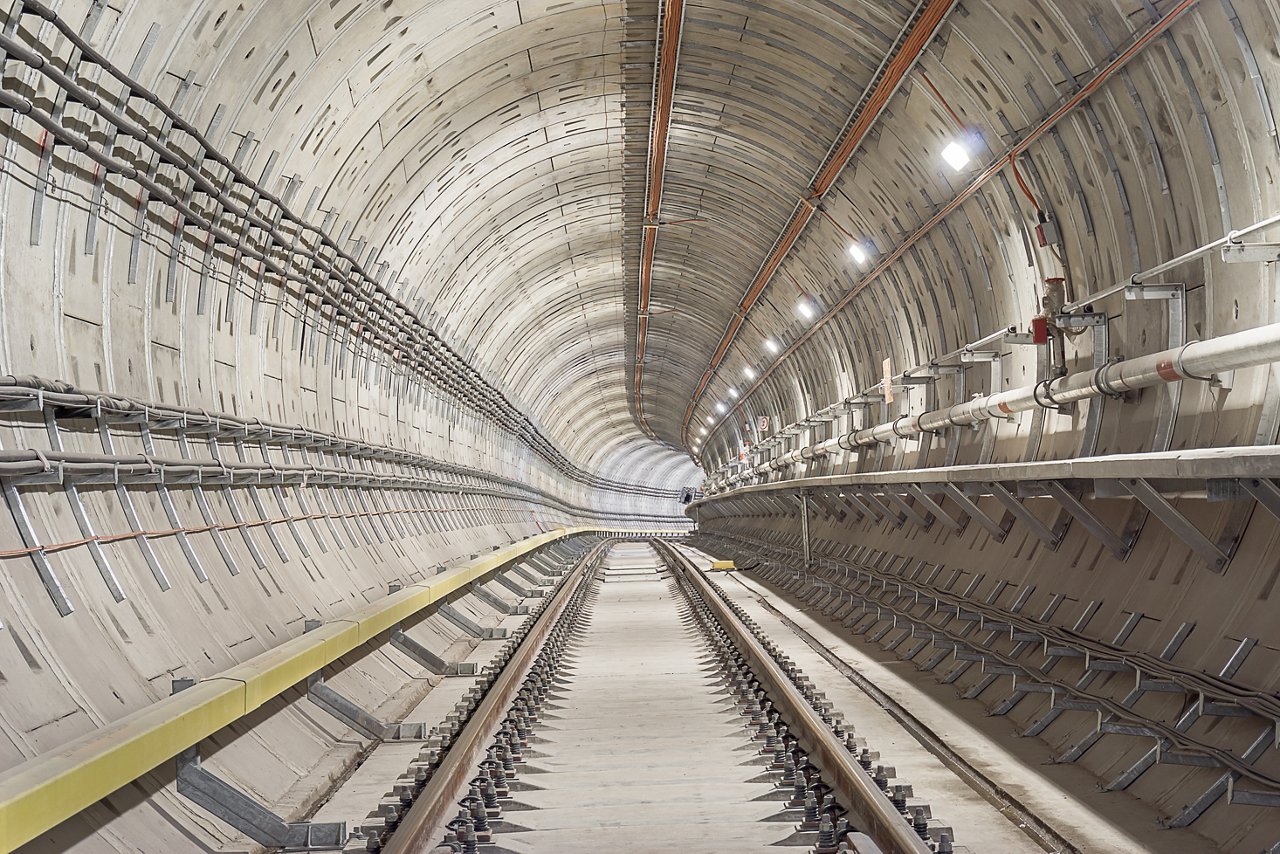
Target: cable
column 1022, row 185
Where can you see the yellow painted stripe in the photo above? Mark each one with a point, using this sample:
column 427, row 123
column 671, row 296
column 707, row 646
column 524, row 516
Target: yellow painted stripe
column 42, row 792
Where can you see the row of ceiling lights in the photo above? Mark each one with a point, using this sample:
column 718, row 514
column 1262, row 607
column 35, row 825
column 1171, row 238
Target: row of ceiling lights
column 957, row 156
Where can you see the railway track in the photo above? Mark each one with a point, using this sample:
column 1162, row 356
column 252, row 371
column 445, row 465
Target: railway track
column 644, row 710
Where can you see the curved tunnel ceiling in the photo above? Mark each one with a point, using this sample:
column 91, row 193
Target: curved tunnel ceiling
column 490, row 164
column 493, row 156
column 480, row 149
column 1137, row 131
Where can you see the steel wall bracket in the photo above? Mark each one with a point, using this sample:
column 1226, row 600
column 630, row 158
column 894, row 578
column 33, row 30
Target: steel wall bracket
column 242, row 812
column 468, row 625
column 249, row 817
column 429, row 659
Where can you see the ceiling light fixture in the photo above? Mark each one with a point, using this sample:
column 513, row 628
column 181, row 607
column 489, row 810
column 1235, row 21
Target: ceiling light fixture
column 733, row 392
column 771, row 346
column 749, row 372
column 857, row 253
column 805, row 308
column 710, row 420
column 956, row 155
column 720, row 407
column 702, row 430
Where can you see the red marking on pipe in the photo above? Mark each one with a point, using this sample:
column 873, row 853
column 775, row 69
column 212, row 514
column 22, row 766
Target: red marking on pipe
column 1004, row 407
column 1167, row 372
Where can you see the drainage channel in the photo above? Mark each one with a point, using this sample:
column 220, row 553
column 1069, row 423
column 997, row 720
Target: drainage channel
column 642, row 714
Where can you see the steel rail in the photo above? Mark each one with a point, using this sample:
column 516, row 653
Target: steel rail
column 1263, row 704
column 423, row 824
column 989, row 172
column 875, row 815
column 40, row 793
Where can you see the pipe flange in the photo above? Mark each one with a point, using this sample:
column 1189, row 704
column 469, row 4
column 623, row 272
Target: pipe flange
column 898, row 432
column 1042, row 394
column 920, row 427
column 1182, row 371
column 1104, row 385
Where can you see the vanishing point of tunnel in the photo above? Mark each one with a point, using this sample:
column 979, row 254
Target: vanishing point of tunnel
column 557, row 426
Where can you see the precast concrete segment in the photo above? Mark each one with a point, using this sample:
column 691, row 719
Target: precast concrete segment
column 50, row 788
column 641, row 747
column 908, row 49
column 984, row 827
column 353, row 799
column 1200, row 360
column 1085, row 815
column 924, row 641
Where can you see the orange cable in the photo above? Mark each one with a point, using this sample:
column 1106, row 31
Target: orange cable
column 64, row 545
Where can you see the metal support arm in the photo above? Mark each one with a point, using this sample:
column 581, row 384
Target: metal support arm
column 249, row 817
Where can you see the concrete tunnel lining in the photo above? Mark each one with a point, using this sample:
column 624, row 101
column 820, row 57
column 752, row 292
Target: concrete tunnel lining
column 218, row 413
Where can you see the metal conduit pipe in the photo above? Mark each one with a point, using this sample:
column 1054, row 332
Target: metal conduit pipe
column 987, row 174
column 35, row 466
column 1195, row 360
column 44, row 392
column 1231, row 238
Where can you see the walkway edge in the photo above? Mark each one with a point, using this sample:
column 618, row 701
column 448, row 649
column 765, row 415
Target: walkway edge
column 48, row 789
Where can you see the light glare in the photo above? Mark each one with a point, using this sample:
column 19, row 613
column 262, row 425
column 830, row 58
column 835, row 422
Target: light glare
column 771, row 346
column 749, row 373
column 857, row 253
column 805, row 308
column 956, row 155
column 720, row 407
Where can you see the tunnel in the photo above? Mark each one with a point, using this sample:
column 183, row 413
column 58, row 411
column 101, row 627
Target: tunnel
column 639, row 425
